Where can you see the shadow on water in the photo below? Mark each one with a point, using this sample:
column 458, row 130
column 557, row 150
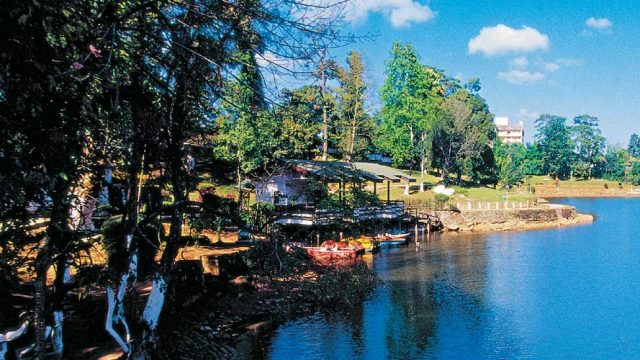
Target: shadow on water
column 553, row 293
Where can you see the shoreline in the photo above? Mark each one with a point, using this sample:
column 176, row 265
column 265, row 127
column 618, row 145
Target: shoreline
column 589, row 195
column 553, row 193
column 502, row 220
column 579, row 220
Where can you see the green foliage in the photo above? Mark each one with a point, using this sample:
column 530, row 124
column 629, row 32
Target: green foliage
column 615, row 164
column 300, row 122
column 589, row 145
column 356, row 198
column 146, row 239
column 441, row 201
column 634, row 145
column 554, row 141
column 581, row 170
column 634, row 175
column 510, row 163
column 354, row 129
column 410, row 96
column 217, row 212
column 533, row 163
column 462, row 133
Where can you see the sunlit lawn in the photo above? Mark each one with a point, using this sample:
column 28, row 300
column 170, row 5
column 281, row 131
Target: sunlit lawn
column 594, row 184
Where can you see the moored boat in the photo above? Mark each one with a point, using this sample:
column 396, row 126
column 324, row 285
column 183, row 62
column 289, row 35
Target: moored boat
column 368, row 243
column 389, row 236
column 386, row 240
column 335, row 252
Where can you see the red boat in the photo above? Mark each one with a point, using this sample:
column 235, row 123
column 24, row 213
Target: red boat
column 335, row 252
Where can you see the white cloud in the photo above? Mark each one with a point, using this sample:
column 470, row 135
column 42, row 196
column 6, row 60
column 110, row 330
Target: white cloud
column 551, row 67
column 520, row 62
column 569, row 62
column 557, row 64
column 522, row 71
column 400, row 13
column 528, row 115
column 502, row 39
column 519, row 77
column 270, row 59
column 599, row 24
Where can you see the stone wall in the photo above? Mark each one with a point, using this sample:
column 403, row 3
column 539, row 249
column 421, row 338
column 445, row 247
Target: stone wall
column 469, row 220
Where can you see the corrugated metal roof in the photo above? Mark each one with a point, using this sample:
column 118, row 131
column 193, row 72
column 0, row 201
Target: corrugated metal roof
column 341, row 170
column 386, row 172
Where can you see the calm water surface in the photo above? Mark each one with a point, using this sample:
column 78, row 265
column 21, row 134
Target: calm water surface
column 559, row 293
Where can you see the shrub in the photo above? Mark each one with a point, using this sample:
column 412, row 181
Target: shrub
column 441, row 201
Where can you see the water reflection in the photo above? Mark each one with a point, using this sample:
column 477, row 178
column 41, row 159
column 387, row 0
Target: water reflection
column 555, row 294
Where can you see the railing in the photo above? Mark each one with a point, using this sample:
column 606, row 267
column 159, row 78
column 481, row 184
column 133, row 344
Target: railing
column 495, row 205
column 314, row 216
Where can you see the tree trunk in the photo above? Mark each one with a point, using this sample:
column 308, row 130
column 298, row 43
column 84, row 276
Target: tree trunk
column 150, row 317
column 354, row 127
column 239, row 179
column 325, row 118
column 40, row 294
column 56, row 239
column 422, row 162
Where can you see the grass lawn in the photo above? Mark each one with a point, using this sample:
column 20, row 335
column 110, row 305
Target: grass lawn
column 473, row 193
column 575, row 184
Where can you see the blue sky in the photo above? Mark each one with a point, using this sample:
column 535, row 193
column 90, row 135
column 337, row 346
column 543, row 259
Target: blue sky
column 560, row 57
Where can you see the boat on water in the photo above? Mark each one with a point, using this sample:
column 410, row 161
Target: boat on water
column 333, row 252
column 368, row 243
column 386, row 240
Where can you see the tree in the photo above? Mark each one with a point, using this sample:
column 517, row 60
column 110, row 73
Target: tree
column 355, row 126
column 327, row 70
column 48, row 138
column 510, row 162
column 554, row 141
column 125, row 83
column 301, row 122
column 634, row 145
column 463, row 131
column 533, row 162
column 410, row 97
column 634, row 175
column 615, row 166
column 589, row 143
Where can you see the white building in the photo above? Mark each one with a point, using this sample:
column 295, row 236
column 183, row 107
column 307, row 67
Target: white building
column 509, row 133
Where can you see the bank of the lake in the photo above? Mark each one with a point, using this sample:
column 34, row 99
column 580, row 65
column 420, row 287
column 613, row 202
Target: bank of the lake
column 595, row 188
column 555, row 293
column 483, row 219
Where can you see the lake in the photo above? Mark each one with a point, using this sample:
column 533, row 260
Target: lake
column 557, row 293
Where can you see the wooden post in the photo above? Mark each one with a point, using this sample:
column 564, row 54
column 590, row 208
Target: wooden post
column 388, row 191
column 416, row 233
column 375, row 188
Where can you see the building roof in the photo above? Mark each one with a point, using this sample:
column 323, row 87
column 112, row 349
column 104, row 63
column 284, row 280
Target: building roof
column 383, row 171
column 342, row 170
